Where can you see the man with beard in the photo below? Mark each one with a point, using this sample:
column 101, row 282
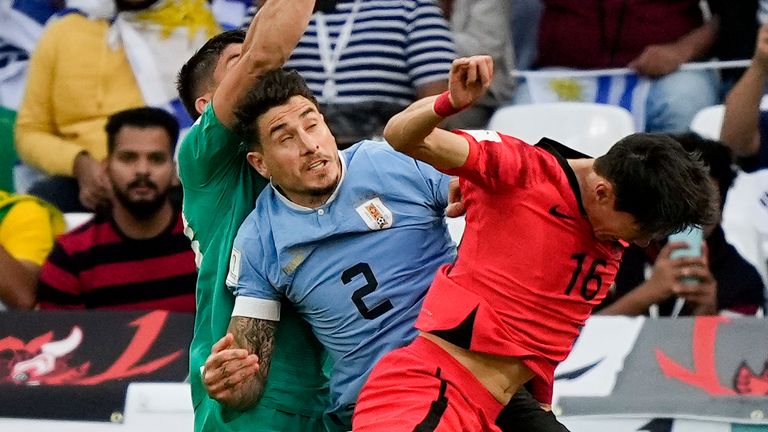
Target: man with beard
column 135, row 256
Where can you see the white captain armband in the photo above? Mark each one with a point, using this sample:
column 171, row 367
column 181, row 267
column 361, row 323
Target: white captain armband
column 256, row 308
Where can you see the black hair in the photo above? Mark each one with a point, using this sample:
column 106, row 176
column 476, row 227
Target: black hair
column 275, row 88
column 142, row 117
column 196, row 76
column 664, row 187
column 715, row 155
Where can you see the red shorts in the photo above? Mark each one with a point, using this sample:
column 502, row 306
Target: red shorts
column 423, row 388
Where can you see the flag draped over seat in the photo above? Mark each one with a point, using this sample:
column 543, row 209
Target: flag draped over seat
column 625, row 89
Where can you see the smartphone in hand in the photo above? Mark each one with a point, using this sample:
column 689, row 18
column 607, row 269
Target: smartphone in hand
column 693, row 236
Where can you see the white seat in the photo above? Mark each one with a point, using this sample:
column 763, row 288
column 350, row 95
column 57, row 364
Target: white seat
column 74, row 220
column 708, row 121
column 590, row 128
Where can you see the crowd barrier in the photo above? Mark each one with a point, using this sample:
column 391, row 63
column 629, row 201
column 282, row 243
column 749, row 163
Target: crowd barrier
column 124, row 371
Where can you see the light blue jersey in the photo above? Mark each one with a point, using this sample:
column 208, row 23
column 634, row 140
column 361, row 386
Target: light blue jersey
column 357, row 268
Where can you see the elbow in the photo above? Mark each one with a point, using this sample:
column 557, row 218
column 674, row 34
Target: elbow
column 262, row 60
column 389, row 135
column 393, row 135
column 21, row 298
column 26, row 303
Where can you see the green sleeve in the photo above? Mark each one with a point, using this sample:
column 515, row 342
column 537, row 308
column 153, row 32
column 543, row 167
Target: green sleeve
column 207, row 150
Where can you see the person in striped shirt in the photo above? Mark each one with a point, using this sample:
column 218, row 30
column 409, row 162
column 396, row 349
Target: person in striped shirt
column 367, row 60
column 135, row 256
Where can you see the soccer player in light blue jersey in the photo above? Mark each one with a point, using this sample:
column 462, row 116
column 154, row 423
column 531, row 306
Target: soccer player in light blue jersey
column 352, row 239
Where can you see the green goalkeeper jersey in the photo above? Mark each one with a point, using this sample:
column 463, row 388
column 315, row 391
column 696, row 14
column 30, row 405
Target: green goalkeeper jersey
column 220, row 190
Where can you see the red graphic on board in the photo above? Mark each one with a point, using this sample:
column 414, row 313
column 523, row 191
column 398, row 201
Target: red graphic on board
column 703, row 375
column 44, row 361
column 747, row 382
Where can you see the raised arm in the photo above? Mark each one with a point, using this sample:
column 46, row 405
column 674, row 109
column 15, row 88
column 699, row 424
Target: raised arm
column 236, row 370
column 742, row 105
column 271, row 37
column 414, row 131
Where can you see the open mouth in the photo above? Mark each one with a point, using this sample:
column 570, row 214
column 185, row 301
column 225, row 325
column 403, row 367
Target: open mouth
column 317, row 165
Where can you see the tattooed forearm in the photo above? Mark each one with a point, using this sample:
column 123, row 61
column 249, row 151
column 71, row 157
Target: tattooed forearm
column 258, row 337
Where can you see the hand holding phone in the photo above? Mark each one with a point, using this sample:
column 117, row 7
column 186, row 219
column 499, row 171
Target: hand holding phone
column 693, row 236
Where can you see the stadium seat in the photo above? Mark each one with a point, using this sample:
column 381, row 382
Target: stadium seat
column 74, row 220
column 708, row 121
column 587, row 127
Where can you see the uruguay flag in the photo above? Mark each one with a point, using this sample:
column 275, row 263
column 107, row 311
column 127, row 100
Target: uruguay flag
column 21, row 24
column 620, row 87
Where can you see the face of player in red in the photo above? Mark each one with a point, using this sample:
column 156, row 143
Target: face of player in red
column 617, row 225
column 609, row 224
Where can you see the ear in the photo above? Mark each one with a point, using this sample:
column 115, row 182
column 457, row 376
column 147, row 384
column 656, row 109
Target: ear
column 603, row 191
column 202, row 101
column 256, row 159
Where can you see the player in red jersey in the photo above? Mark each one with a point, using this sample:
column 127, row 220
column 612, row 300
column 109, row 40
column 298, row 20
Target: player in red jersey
column 544, row 235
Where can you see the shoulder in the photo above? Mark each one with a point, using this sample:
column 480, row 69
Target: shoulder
column 70, row 20
column 85, row 236
column 28, row 209
column 366, row 159
column 374, row 151
column 26, row 214
column 254, row 224
column 207, row 123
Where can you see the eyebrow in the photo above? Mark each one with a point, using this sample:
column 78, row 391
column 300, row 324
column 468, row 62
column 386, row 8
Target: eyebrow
column 280, row 126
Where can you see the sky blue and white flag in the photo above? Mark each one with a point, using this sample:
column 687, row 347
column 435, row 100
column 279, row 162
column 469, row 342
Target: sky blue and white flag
column 21, row 24
column 616, row 87
column 156, row 53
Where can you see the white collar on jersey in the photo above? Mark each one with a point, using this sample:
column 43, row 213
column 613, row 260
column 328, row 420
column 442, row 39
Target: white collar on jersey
column 292, row 205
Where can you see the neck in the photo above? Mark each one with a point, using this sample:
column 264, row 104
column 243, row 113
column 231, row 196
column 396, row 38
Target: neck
column 585, row 175
column 309, row 201
column 138, row 229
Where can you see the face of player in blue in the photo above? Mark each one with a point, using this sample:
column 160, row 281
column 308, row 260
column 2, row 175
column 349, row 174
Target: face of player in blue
column 609, row 224
column 298, row 152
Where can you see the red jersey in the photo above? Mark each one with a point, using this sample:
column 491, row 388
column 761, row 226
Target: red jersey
column 529, row 269
column 96, row 266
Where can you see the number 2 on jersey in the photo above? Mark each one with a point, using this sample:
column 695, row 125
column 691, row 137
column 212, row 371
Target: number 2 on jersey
column 370, row 286
column 591, row 278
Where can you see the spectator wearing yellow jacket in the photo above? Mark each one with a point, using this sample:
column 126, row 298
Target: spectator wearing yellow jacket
column 28, row 227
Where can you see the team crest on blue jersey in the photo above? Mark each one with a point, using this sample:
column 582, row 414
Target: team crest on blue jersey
column 375, row 214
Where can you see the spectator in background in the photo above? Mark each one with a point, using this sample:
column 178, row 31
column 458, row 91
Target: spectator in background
column 83, row 70
column 725, row 281
column 482, row 27
column 524, row 24
column 365, row 61
column 28, row 227
column 736, row 35
column 745, row 126
column 652, row 37
column 135, row 257
column 21, row 24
